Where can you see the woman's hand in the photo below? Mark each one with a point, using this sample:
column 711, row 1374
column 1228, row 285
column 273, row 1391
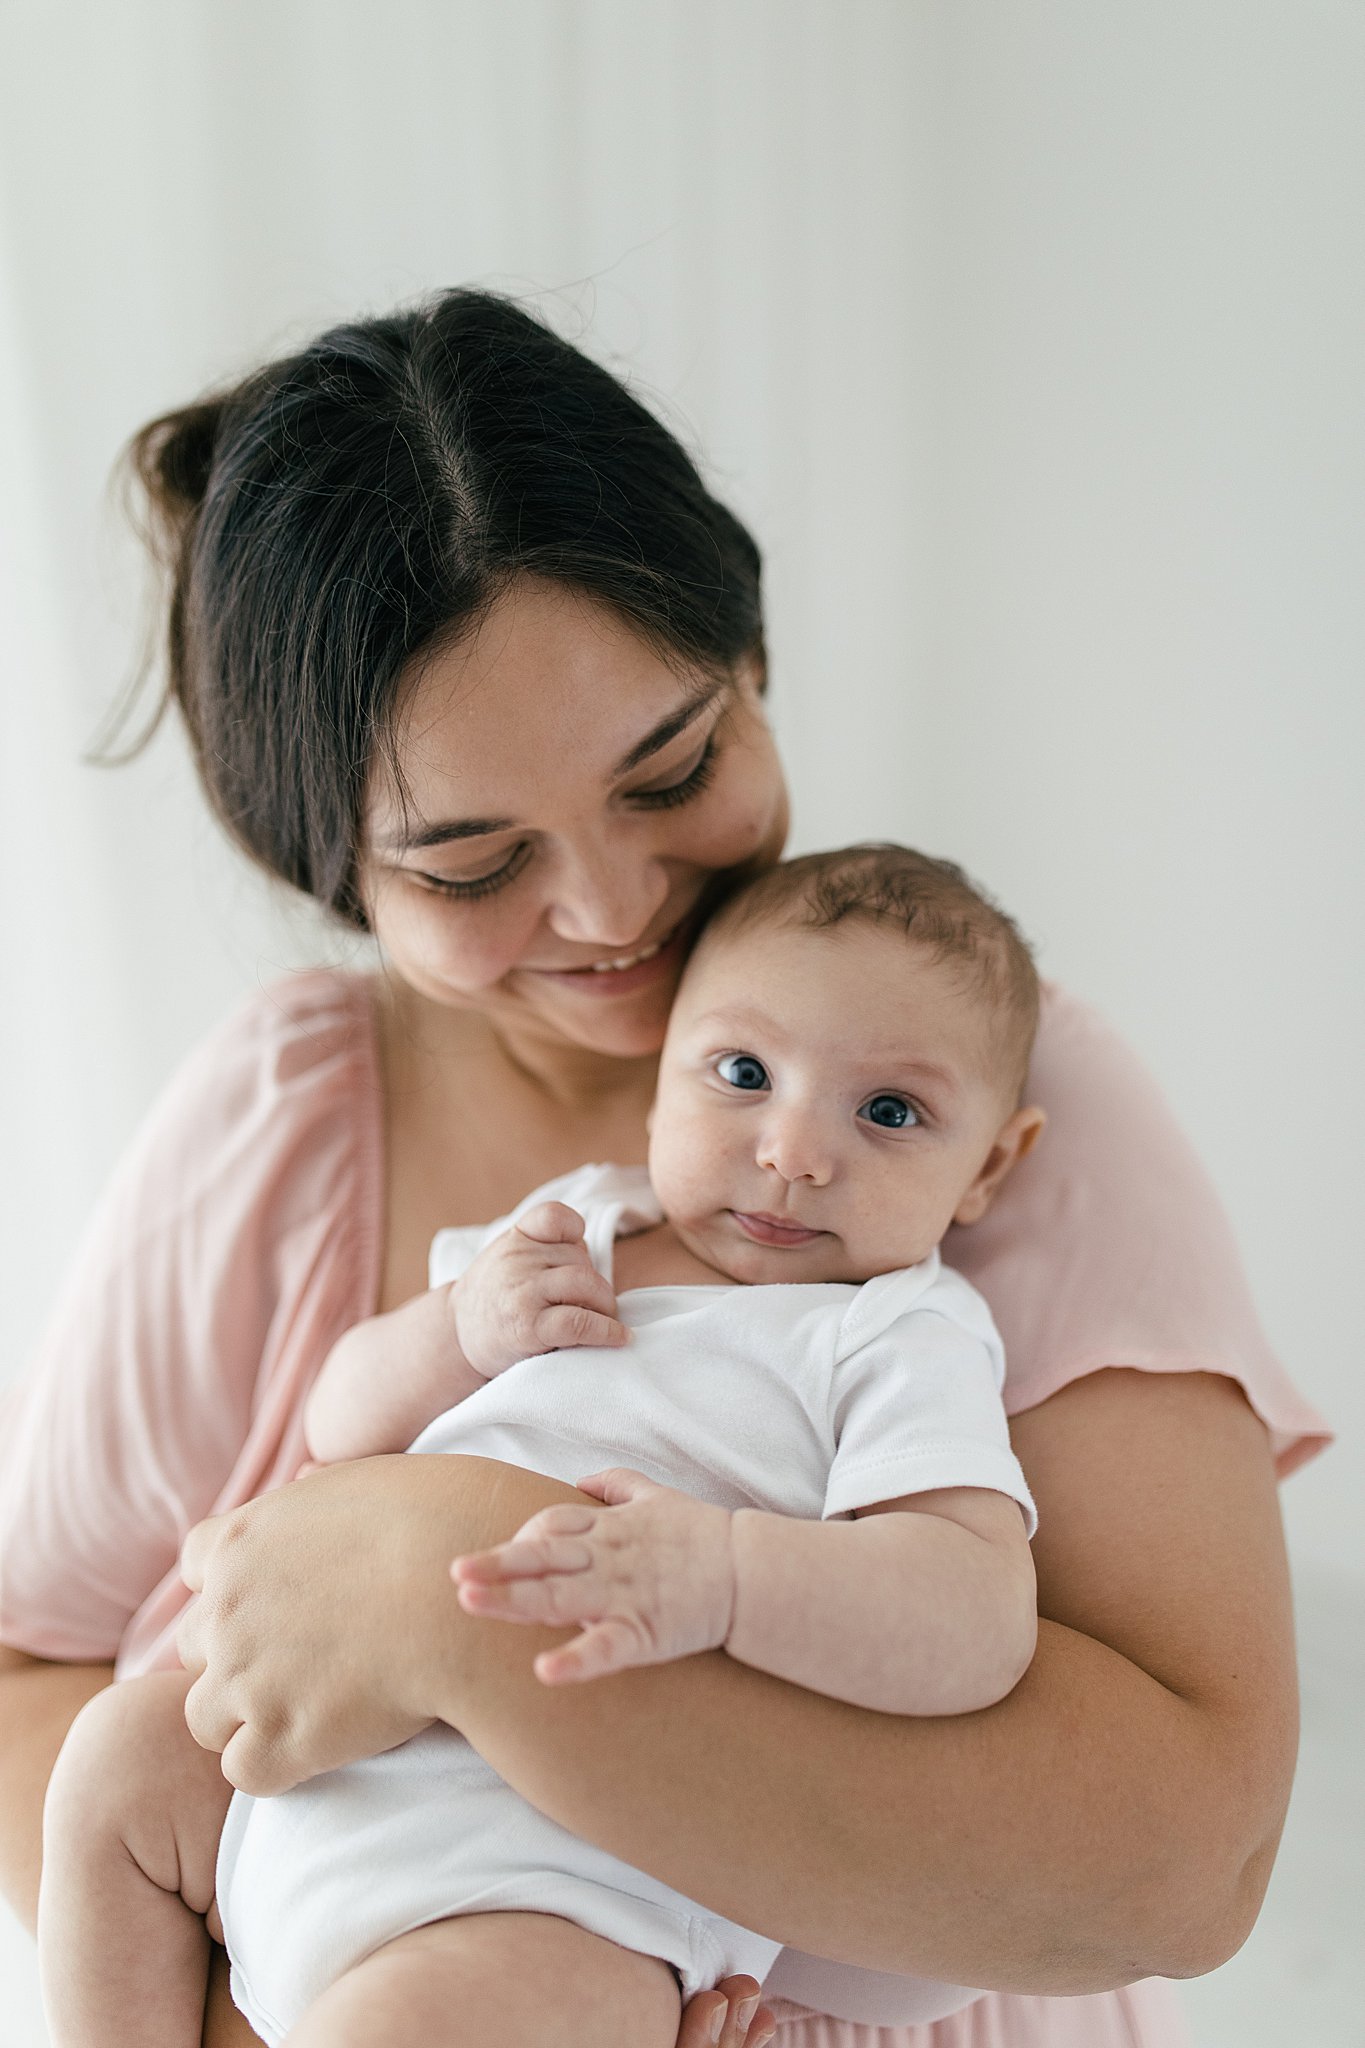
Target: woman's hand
column 729, row 2016
column 327, row 1628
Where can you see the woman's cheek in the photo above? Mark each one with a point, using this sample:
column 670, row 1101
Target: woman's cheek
column 444, row 943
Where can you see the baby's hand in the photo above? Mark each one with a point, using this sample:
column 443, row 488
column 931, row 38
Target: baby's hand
column 651, row 1574
column 533, row 1289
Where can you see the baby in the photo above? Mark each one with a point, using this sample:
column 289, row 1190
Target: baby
column 812, row 1473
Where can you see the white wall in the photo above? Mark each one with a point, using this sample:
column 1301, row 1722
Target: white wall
column 1029, row 335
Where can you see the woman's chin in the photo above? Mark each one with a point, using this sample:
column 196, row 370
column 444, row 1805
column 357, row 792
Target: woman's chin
column 624, row 1036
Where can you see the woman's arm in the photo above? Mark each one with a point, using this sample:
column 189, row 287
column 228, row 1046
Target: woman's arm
column 1115, row 1817
column 1119, row 1810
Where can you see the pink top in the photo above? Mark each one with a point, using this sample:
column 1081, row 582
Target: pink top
column 242, row 1235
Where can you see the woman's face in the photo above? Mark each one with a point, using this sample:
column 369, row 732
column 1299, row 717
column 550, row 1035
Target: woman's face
column 571, row 798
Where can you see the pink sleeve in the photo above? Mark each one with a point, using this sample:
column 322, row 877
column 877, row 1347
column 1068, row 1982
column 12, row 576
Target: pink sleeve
column 235, row 1242
column 1108, row 1246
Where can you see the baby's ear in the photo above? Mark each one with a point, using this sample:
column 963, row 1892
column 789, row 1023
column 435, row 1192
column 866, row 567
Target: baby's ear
column 1018, row 1135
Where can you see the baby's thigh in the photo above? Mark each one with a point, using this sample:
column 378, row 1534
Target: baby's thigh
column 498, row 1980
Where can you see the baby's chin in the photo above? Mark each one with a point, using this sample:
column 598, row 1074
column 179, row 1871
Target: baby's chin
column 825, row 1260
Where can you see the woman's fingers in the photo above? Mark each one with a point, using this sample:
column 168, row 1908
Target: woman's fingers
column 209, row 1722
column 728, row 2016
column 197, row 1548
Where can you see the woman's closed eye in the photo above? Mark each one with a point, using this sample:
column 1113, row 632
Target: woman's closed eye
column 480, row 885
column 468, row 888
column 742, row 1070
column 697, row 778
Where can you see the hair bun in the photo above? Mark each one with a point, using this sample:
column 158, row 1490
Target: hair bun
column 172, row 460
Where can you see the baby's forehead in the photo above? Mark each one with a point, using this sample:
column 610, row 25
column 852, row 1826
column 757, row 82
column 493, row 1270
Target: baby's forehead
column 869, row 969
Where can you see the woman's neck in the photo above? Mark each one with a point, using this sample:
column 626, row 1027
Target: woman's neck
column 427, row 1042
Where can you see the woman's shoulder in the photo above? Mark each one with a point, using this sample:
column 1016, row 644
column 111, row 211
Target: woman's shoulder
column 291, row 1030
column 1109, row 1244
column 293, row 1071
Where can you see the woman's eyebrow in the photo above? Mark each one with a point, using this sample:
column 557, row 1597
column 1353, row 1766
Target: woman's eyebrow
column 410, row 840
column 418, row 836
column 668, row 728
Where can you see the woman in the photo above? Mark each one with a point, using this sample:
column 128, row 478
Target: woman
column 467, row 652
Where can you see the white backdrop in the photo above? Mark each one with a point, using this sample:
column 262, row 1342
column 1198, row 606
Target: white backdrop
column 1029, row 335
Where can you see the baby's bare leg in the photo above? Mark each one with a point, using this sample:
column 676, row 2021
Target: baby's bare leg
column 130, row 1842
column 497, row 1980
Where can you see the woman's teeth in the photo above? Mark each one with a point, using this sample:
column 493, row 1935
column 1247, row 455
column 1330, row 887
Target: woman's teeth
column 633, row 960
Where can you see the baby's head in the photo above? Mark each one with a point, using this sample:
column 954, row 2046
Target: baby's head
column 843, row 1072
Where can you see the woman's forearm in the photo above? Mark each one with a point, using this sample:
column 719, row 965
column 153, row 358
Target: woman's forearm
column 38, row 1703
column 1114, row 1817
column 1028, row 1847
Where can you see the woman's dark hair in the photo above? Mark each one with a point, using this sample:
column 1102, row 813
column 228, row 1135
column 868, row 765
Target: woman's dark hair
column 348, row 507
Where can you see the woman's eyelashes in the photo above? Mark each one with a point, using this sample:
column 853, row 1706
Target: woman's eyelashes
column 692, row 784
column 697, row 778
column 481, row 885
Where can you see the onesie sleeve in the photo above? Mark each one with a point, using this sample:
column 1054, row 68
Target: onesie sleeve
column 917, row 1406
column 236, row 1240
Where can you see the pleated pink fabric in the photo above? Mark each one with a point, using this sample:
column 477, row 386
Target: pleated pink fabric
column 1144, row 2015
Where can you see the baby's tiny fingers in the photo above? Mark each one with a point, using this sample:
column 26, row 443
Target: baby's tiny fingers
column 551, row 1223
column 570, row 1329
column 578, row 1286
column 556, row 1598
column 522, row 1560
column 607, row 1646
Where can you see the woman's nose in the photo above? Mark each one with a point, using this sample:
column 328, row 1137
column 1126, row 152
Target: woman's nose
column 607, row 897
column 792, row 1144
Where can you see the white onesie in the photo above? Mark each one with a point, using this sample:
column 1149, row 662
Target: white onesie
column 808, row 1400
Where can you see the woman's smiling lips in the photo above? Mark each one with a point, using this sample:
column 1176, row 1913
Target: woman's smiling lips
column 765, row 1229
column 600, row 978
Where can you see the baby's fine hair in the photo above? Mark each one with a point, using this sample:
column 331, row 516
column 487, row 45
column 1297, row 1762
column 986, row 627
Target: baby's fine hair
column 936, row 905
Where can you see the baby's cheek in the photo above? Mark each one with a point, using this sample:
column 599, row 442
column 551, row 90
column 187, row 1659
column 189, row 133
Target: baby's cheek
column 681, row 1170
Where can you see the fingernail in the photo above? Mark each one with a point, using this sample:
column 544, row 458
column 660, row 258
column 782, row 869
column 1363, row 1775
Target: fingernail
column 746, row 2013
column 718, row 2022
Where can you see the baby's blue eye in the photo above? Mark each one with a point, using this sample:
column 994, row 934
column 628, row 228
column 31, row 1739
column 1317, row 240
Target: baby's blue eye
column 892, row 1112
column 742, row 1070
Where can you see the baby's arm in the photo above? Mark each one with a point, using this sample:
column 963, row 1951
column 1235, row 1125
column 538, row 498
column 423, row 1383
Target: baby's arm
column 386, row 1379
column 924, row 1605
column 533, row 1289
